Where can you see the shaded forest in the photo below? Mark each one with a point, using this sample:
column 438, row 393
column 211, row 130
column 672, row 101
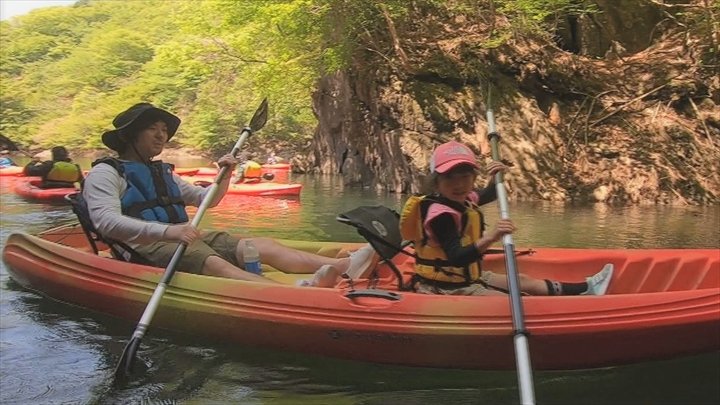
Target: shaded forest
column 596, row 100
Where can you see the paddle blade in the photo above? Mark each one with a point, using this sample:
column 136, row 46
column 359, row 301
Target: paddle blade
column 124, row 368
column 260, row 117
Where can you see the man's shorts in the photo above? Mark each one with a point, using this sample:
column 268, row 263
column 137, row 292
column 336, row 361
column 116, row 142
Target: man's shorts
column 219, row 244
column 477, row 288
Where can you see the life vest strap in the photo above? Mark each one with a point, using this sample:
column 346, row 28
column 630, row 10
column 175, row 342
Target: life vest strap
column 164, row 202
column 446, row 284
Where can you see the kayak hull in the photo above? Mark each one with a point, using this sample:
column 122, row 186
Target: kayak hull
column 259, row 189
column 186, row 171
column 265, row 189
column 212, row 172
column 661, row 304
column 276, row 167
column 28, row 188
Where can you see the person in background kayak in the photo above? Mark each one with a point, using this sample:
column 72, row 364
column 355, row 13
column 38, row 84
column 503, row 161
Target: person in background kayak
column 249, row 171
column 60, row 172
column 140, row 201
column 447, row 229
column 5, row 160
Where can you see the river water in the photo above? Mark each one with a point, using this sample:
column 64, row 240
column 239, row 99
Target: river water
column 54, row 353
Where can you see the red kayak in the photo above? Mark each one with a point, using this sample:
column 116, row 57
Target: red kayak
column 276, row 166
column 212, row 171
column 187, row 171
column 661, row 303
column 266, row 189
column 263, row 188
column 30, row 188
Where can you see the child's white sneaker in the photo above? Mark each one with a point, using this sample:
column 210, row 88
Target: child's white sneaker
column 598, row 284
column 325, row 276
column 360, row 262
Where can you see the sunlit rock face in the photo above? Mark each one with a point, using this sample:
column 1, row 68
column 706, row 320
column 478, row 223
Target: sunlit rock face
column 590, row 117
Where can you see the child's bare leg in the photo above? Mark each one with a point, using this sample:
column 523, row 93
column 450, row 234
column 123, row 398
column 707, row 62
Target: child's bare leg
column 528, row 285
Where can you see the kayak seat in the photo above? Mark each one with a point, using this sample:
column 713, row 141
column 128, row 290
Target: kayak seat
column 118, row 250
column 380, row 226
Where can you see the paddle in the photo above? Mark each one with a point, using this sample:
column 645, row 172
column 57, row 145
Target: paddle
column 124, row 366
column 522, row 352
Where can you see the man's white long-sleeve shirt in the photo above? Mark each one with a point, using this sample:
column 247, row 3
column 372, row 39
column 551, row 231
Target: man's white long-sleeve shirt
column 103, row 189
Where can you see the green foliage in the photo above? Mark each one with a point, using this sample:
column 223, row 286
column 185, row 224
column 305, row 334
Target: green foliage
column 539, row 17
column 65, row 72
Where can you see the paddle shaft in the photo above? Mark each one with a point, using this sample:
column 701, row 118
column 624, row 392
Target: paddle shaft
column 522, row 351
column 170, row 269
column 125, row 364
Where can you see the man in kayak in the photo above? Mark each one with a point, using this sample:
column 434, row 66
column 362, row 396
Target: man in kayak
column 59, row 172
column 140, row 201
column 448, row 230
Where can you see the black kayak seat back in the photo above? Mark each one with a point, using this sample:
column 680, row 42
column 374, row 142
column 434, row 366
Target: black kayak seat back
column 119, row 250
column 380, row 226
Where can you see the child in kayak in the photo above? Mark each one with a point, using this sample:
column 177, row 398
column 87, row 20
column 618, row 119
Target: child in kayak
column 447, row 229
column 140, row 202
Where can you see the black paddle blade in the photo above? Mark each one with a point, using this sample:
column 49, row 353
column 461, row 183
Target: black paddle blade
column 260, row 117
column 124, row 368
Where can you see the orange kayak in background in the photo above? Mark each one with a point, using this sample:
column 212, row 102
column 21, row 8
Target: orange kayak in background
column 29, row 188
column 276, row 166
column 262, row 188
column 266, row 189
column 212, row 171
column 661, row 303
column 188, row 171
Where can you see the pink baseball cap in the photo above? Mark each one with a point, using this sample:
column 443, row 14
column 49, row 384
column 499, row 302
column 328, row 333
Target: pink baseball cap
column 451, row 154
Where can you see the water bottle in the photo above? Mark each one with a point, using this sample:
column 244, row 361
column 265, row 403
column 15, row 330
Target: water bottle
column 252, row 258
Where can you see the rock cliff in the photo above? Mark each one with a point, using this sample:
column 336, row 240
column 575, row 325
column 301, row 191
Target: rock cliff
column 619, row 106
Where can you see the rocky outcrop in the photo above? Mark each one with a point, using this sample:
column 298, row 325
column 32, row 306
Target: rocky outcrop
column 640, row 125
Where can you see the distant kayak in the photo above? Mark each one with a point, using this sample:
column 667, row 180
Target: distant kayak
column 277, row 166
column 11, row 171
column 30, row 189
column 212, row 171
column 186, row 171
column 263, row 189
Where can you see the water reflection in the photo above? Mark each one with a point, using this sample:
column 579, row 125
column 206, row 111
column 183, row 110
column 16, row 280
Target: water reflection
column 251, row 215
column 603, row 226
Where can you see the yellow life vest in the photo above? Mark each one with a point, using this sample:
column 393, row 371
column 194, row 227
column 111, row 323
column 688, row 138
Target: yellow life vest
column 64, row 172
column 431, row 262
column 252, row 170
